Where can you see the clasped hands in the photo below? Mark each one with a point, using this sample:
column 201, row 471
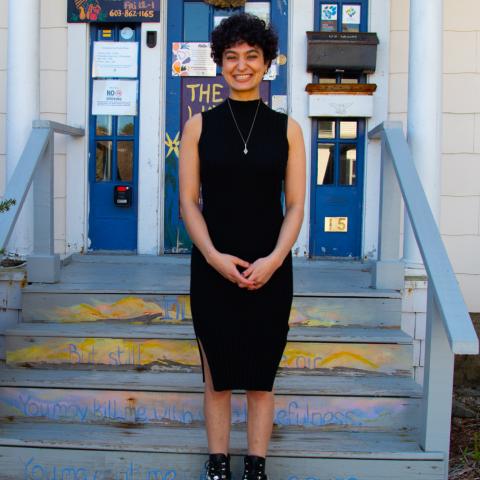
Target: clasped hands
column 255, row 275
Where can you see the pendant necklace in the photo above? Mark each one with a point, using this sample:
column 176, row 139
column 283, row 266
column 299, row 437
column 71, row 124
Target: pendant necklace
column 245, row 150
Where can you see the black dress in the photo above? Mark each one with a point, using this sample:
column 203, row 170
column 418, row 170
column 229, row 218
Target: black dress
column 243, row 332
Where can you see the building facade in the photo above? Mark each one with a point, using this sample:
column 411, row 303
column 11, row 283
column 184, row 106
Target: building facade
column 132, row 156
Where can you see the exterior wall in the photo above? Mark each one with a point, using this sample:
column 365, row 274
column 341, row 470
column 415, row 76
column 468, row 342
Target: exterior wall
column 460, row 189
column 53, row 98
column 3, row 91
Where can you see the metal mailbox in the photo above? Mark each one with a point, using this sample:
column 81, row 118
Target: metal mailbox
column 330, row 52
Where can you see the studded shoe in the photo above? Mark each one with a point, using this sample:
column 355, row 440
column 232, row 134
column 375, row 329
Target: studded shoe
column 254, row 468
column 217, row 467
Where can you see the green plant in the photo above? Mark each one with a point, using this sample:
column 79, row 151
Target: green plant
column 5, row 205
column 469, row 454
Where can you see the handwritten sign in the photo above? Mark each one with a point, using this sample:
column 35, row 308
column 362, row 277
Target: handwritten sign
column 113, row 11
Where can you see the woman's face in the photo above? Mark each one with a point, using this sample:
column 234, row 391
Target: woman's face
column 243, row 68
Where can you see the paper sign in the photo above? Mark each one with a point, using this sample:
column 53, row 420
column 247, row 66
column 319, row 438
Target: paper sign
column 114, row 97
column 272, row 72
column 192, row 59
column 279, row 103
column 115, row 59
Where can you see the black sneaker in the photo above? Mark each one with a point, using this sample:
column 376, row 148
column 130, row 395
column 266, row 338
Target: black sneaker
column 254, row 468
column 218, row 467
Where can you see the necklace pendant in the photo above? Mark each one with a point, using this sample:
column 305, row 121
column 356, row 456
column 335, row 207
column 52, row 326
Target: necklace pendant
column 245, row 151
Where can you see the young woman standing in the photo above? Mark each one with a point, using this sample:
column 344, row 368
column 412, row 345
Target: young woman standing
column 241, row 289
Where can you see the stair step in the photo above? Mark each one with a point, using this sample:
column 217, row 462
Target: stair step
column 375, row 386
column 66, row 463
column 73, row 307
column 81, row 405
column 192, row 440
column 318, row 350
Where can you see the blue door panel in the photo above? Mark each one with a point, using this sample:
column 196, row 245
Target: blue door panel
column 112, row 227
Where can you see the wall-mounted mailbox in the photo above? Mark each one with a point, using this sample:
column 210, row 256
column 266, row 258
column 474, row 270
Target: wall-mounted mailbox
column 330, row 52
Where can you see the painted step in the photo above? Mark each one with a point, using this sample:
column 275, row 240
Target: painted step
column 69, row 307
column 152, row 452
column 316, row 350
column 186, row 408
column 375, row 386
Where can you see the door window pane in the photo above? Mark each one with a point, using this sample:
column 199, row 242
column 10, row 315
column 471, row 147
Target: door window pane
column 325, row 164
column 348, row 163
column 125, row 161
column 348, row 130
column 196, row 22
column 329, row 17
column 125, row 125
column 351, row 18
column 103, row 161
column 104, row 125
column 326, row 129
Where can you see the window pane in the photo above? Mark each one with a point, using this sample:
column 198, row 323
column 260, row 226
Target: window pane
column 104, row 161
column 348, row 162
column 327, row 80
column 125, row 125
column 325, row 164
column 196, row 22
column 351, row 18
column 348, row 130
column 104, row 125
column 329, row 17
column 326, row 129
column 125, row 161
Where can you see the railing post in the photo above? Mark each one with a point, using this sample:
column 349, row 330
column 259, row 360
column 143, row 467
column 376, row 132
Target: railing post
column 436, row 408
column 388, row 270
column 44, row 265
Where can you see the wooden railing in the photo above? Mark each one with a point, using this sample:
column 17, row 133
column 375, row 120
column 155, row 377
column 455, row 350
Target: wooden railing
column 449, row 327
column 36, row 166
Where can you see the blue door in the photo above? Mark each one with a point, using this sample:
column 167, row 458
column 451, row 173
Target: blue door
column 113, row 157
column 192, row 21
column 338, row 152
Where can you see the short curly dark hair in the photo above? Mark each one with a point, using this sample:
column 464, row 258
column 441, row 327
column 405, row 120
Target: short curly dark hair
column 248, row 28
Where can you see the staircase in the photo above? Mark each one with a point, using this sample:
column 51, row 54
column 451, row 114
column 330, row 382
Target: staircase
column 103, row 380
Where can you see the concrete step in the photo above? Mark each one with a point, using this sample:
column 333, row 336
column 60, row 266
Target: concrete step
column 72, row 307
column 98, row 451
column 317, row 350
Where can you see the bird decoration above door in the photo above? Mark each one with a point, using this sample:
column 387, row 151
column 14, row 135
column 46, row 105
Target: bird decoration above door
column 226, row 3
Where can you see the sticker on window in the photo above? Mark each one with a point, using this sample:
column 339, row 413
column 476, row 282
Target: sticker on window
column 329, row 17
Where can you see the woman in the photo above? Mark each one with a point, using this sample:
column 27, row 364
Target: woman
column 241, row 286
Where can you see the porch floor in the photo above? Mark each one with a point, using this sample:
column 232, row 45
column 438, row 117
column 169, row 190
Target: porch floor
column 171, row 274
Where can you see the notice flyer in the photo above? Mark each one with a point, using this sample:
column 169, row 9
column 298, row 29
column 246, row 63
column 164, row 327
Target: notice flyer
column 192, row 59
column 114, row 97
column 115, row 59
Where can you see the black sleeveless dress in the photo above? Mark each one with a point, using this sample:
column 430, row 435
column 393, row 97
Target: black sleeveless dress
column 243, row 332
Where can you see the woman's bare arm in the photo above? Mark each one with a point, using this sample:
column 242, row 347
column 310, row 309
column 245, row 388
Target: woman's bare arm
column 295, row 177
column 295, row 185
column 189, row 186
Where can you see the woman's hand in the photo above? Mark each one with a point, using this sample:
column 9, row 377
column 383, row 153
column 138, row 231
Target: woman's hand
column 260, row 271
column 226, row 265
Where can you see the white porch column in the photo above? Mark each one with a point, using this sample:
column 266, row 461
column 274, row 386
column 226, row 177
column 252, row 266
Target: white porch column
column 23, row 102
column 424, row 108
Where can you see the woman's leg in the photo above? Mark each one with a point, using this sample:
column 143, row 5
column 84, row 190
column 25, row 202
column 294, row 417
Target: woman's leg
column 217, row 408
column 260, row 421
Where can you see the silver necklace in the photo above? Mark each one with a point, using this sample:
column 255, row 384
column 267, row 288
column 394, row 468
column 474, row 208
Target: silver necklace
column 245, row 150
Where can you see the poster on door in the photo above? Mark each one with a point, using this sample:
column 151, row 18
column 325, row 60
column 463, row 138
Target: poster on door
column 192, row 59
column 115, row 59
column 114, row 97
